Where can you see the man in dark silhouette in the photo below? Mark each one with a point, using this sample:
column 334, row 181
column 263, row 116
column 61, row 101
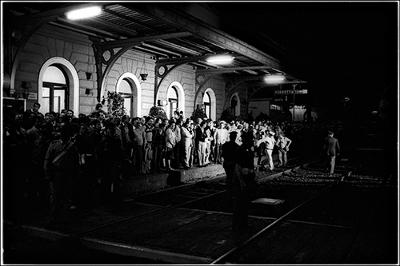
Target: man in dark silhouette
column 331, row 150
column 228, row 153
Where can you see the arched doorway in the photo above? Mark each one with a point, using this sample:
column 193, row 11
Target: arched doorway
column 175, row 99
column 58, row 85
column 172, row 101
column 210, row 104
column 129, row 86
column 55, row 90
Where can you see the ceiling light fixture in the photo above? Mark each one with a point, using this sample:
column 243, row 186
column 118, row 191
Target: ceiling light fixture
column 84, row 13
column 274, row 78
column 220, row 59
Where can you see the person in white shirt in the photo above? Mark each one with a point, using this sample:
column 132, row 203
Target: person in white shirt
column 283, row 144
column 221, row 136
column 269, row 141
column 187, row 140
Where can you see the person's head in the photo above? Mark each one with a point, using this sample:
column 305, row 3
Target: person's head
column 46, row 117
column 233, row 136
column 330, row 133
column 125, row 119
column 137, row 122
column 172, row 123
column 70, row 113
column 149, row 121
column 99, row 106
column 110, row 129
column 95, row 123
column 101, row 115
column 83, row 128
column 176, row 114
column 63, row 113
column 36, row 107
column 52, row 116
column 203, row 124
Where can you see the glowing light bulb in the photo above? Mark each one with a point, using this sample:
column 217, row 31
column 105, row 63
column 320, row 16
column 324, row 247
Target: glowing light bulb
column 220, row 59
column 274, row 78
column 83, row 13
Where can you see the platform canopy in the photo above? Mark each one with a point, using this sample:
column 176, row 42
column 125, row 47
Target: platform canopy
column 174, row 33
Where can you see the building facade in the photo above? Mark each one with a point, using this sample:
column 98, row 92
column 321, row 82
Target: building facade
column 73, row 65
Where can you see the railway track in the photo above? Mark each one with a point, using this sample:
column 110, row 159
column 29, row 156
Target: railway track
column 197, row 196
column 226, row 258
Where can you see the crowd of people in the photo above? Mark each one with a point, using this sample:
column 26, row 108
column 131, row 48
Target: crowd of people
column 61, row 156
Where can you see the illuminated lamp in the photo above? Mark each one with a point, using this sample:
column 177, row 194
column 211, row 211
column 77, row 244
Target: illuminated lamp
column 83, row 13
column 220, row 59
column 274, row 78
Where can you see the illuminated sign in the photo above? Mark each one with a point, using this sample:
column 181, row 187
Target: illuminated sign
column 291, row 92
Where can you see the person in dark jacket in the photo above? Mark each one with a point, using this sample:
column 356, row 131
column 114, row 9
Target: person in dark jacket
column 110, row 155
column 228, row 155
column 62, row 169
column 331, row 150
column 244, row 180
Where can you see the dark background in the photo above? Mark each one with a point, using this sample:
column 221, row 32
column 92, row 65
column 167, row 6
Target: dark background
column 342, row 49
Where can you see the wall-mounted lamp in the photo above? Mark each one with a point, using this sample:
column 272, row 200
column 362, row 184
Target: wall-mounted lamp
column 88, row 75
column 89, row 92
column 143, row 71
column 143, row 76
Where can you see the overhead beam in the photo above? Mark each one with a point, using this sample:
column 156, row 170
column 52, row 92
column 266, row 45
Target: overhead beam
column 230, row 69
column 187, row 23
column 160, row 49
column 202, row 47
column 139, row 40
column 114, row 27
column 149, row 51
column 178, row 47
column 88, row 28
column 127, row 18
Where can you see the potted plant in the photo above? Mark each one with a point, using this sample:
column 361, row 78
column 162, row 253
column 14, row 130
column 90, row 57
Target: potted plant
column 115, row 104
column 158, row 112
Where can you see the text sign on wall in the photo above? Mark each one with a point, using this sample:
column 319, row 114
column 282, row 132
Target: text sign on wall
column 290, row 92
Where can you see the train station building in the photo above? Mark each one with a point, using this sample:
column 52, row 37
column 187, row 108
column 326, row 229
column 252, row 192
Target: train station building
column 178, row 56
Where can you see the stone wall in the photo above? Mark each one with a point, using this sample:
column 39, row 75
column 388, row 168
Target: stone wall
column 50, row 42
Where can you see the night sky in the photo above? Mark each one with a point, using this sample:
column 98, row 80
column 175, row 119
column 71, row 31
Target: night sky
column 342, row 49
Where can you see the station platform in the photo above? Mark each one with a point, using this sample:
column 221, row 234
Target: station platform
column 350, row 223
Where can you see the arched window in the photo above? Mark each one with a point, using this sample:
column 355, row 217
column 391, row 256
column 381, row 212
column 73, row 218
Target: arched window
column 125, row 88
column 207, row 104
column 173, row 101
column 55, row 91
